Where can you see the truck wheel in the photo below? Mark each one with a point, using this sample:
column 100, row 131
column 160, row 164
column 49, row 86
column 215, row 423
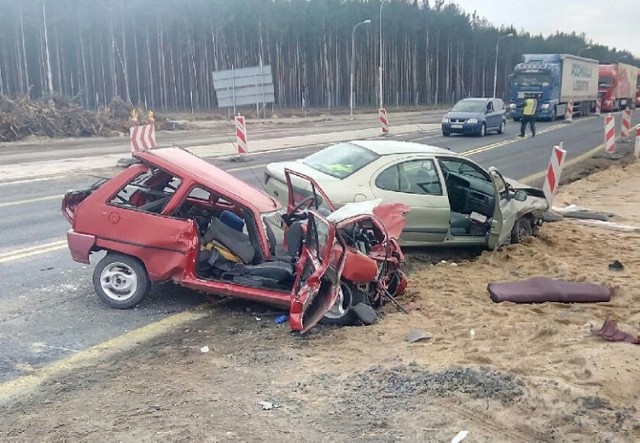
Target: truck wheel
column 521, row 230
column 121, row 281
column 554, row 115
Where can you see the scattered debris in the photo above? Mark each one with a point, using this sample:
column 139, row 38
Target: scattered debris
column 204, row 349
column 610, row 331
column 550, row 217
column 542, row 289
column 459, row 436
column 472, row 333
column 616, row 266
column 573, row 211
column 417, row 335
column 258, row 319
column 611, row 226
column 282, row 319
column 266, row 405
column 454, row 264
column 365, row 313
column 413, row 306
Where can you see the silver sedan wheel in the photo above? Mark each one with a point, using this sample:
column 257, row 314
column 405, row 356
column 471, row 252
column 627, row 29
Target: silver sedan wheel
column 341, row 306
column 119, row 281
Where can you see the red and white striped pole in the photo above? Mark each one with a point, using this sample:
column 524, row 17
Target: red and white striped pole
column 626, row 125
column 554, row 171
column 598, row 106
column 568, row 117
column 384, row 122
column 241, row 135
column 610, row 134
column 636, row 151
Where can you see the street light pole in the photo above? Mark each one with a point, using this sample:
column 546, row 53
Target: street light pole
column 495, row 71
column 380, row 65
column 353, row 62
column 583, row 49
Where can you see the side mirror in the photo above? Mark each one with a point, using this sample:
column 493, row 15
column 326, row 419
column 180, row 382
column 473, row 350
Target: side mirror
column 520, row 195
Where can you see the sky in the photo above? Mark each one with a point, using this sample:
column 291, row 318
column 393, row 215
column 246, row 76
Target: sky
column 614, row 23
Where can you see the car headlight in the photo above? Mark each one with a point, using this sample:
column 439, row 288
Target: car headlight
column 472, row 121
column 545, row 106
column 512, row 106
column 445, row 119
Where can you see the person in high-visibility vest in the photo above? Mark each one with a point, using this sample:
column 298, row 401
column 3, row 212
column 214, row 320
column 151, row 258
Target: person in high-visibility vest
column 529, row 116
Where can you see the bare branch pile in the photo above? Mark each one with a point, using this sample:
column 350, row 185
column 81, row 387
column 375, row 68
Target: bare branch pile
column 59, row 117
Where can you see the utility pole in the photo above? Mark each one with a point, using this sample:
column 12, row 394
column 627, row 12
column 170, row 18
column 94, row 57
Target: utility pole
column 353, row 64
column 495, row 72
column 381, row 57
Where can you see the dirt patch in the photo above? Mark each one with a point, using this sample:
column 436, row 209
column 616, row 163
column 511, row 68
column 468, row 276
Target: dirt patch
column 504, row 372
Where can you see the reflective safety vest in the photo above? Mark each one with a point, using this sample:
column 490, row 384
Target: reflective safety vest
column 530, row 105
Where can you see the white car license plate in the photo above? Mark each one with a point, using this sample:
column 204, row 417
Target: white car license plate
column 456, row 126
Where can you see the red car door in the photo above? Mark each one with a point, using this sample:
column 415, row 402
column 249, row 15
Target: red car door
column 305, row 193
column 318, row 274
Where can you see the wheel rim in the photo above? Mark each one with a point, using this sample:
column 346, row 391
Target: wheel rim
column 502, row 127
column 119, row 281
column 482, row 130
column 523, row 231
column 341, row 306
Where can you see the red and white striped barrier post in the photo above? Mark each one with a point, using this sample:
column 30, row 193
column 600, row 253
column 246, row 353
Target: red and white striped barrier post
column 610, row 134
column 142, row 137
column 568, row 117
column 554, row 171
column 384, row 122
column 241, row 134
column 626, row 125
column 598, row 106
column 636, row 151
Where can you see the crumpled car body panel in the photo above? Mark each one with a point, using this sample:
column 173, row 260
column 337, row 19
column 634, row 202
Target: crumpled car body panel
column 170, row 243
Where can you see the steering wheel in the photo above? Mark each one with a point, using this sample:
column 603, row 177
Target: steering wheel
column 306, row 201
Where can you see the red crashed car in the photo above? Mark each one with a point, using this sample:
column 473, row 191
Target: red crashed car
column 173, row 216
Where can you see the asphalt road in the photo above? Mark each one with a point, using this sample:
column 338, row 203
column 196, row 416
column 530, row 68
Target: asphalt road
column 48, row 308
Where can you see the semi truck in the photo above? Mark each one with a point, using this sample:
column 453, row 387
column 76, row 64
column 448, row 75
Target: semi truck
column 554, row 80
column 617, row 86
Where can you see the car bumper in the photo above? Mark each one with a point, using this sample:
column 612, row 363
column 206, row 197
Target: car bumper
column 462, row 128
column 80, row 245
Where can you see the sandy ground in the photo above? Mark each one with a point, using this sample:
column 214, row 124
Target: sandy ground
column 503, row 372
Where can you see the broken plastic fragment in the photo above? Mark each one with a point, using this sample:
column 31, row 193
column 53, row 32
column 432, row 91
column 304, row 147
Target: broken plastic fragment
column 266, row 405
column 459, row 437
column 204, row 349
column 417, row 335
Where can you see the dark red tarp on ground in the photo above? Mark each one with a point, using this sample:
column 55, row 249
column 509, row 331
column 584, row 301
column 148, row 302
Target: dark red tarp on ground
column 542, row 289
column 610, row 331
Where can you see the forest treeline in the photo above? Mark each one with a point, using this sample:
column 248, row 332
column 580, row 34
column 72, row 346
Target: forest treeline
column 161, row 53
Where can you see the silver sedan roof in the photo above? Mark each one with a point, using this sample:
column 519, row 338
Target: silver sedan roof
column 394, row 147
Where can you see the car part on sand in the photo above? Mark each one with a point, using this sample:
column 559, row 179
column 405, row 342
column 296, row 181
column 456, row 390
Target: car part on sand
column 542, row 289
column 610, row 331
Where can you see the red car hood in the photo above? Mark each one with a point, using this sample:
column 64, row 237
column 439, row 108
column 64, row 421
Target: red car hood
column 392, row 215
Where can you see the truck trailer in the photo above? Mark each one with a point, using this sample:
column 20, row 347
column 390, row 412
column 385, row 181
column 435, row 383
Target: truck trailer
column 554, row 80
column 617, row 86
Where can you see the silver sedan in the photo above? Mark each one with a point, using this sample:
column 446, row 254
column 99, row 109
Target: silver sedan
column 453, row 200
